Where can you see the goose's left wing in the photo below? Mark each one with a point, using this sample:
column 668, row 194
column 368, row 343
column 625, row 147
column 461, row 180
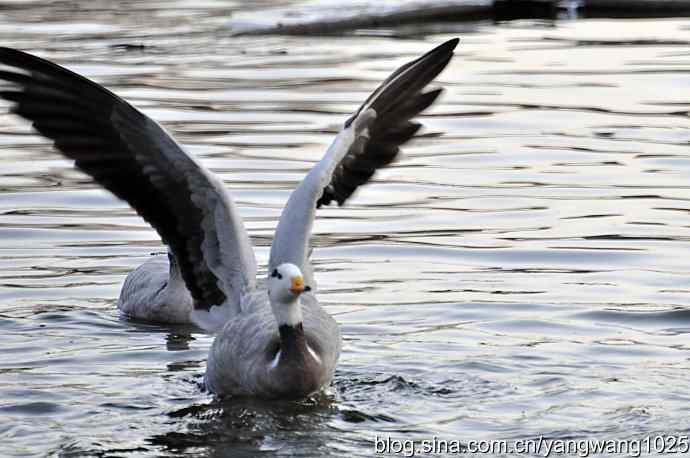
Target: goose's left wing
column 130, row 155
column 369, row 140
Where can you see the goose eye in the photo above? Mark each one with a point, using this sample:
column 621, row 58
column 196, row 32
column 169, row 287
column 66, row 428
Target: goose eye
column 276, row 274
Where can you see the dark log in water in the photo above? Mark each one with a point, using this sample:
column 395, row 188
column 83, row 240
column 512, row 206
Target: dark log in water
column 323, row 19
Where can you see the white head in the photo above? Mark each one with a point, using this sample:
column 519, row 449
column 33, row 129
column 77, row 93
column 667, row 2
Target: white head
column 285, row 284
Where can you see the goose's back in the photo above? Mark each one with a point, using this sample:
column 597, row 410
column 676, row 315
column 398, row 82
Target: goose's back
column 149, row 294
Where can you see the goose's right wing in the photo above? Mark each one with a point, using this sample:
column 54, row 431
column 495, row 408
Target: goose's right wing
column 369, row 140
column 134, row 158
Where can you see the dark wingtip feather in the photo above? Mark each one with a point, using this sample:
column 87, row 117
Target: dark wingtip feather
column 394, row 103
column 450, row 44
column 408, row 79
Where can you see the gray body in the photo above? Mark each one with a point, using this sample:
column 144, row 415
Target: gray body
column 154, row 292
column 243, row 357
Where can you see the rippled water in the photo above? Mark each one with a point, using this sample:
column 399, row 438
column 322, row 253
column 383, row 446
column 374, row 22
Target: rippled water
column 524, row 270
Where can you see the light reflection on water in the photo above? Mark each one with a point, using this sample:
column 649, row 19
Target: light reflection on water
column 522, row 271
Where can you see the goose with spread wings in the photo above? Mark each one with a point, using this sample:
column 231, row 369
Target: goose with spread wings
column 273, row 340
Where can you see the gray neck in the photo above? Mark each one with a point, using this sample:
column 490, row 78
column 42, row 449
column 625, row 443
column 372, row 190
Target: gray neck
column 293, row 345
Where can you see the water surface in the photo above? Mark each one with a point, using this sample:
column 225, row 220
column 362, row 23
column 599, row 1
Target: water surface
column 522, row 271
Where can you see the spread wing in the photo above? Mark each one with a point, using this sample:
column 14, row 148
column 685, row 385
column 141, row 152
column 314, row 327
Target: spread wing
column 369, row 140
column 134, row 158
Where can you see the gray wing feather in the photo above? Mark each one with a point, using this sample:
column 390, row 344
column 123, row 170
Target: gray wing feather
column 133, row 157
column 369, row 140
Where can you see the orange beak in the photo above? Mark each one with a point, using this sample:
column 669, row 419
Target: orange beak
column 297, row 286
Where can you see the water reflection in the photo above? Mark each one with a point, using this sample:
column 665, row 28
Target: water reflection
column 243, row 427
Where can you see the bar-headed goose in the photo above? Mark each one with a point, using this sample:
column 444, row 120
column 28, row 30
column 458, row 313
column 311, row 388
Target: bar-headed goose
column 272, row 342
